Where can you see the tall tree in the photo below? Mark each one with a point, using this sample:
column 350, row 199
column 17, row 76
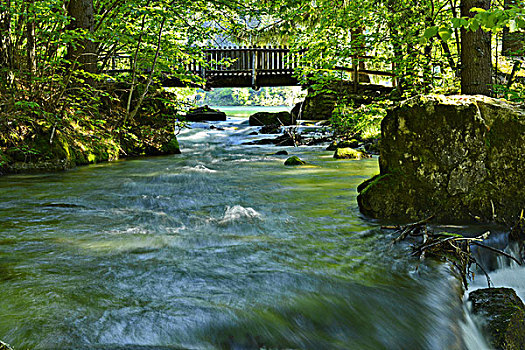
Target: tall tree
column 476, row 55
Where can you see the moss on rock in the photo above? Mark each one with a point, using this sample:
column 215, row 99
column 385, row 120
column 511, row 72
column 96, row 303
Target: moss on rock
column 294, row 160
column 171, row 147
column 459, row 158
column 349, row 153
column 267, row 118
column 504, row 313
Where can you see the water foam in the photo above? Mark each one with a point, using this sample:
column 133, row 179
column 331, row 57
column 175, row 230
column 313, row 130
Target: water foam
column 199, row 169
column 238, row 213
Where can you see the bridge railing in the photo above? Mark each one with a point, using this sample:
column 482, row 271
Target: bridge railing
column 249, row 60
column 253, row 62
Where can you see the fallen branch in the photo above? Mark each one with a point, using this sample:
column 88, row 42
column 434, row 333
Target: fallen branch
column 454, row 248
column 411, row 229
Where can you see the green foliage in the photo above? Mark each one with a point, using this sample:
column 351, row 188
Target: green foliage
column 349, row 121
column 515, row 94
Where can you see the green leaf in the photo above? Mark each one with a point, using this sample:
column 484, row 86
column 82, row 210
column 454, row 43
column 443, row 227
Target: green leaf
column 477, row 10
column 430, row 32
column 491, row 21
column 445, row 33
column 456, row 22
column 474, row 25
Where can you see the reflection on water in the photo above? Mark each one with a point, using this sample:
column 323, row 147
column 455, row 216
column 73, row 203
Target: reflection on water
column 220, row 247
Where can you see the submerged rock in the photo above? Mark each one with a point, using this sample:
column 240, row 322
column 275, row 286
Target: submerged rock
column 294, row 160
column 349, row 153
column 504, row 313
column 267, row 118
column 460, row 158
column 281, row 153
column 205, row 113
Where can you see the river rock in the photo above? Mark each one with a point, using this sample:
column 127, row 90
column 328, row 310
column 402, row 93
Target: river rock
column 320, row 105
column 504, row 313
column 205, row 113
column 316, row 106
column 349, row 153
column 294, row 160
column 267, row 118
column 460, row 158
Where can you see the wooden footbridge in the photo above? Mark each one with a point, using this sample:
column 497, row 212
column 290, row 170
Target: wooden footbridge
column 243, row 67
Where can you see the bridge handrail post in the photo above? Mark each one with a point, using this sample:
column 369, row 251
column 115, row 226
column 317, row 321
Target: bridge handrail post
column 254, row 67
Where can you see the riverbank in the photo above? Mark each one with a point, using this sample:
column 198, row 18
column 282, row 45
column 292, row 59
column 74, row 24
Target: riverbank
column 40, row 137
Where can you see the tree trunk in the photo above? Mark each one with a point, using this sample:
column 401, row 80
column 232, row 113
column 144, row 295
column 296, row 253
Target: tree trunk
column 476, row 56
column 6, row 57
column 83, row 51
column 31, row 41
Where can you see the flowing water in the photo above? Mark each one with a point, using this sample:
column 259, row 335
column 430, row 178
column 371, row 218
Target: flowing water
column 219, row 247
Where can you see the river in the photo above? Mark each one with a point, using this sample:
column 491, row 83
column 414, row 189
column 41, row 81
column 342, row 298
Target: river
column 219, row 247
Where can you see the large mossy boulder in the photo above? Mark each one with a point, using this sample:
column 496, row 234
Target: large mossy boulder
column 205, row 113
column 504, row 315
column 267, row 118
column 460, row 158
